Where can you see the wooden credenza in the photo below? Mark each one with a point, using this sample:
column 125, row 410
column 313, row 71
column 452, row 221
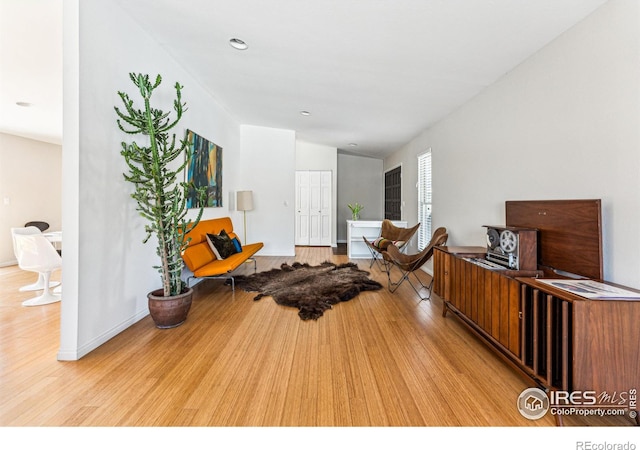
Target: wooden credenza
column 558, row 339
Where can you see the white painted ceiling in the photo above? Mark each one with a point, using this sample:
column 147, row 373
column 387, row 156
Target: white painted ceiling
column 371, row 72
column 31, row 68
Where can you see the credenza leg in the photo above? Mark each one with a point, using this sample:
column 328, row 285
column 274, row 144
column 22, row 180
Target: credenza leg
column 444, row 308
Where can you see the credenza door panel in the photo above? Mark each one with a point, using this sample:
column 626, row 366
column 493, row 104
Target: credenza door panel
column 487, row 299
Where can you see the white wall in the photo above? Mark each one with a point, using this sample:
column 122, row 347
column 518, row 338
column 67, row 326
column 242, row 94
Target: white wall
column 107, row 270
column 267, row 167
column 30, row 187
column 360, row 179
column 310, row 156
column 564, row 124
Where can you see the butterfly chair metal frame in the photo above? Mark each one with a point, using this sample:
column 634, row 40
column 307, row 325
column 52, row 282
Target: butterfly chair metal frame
column 408, row 264
column 389, row 234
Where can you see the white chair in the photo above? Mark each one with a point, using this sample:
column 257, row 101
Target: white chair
column 35, row 253
column 38, row 285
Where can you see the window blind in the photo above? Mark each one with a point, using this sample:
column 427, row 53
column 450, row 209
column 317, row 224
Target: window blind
column 424, row 199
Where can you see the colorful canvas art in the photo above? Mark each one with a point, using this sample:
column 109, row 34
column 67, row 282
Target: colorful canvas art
column 204, row 169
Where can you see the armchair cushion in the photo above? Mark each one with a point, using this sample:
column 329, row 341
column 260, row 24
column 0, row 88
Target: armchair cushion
column 237, row 245
column 221, row 244
column 382, row 243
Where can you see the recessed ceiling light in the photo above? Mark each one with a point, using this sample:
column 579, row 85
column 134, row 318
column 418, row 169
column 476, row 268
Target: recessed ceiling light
column 238, row 44
column 305, row 113
column 353, row 144
column 23, row 104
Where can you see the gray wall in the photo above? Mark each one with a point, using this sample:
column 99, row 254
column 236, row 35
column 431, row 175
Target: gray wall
column 360, row 179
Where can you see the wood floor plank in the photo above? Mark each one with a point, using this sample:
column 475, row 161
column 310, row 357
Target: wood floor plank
column 380, row 359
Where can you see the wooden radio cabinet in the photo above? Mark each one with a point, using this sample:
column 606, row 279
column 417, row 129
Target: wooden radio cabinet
column 560, row 340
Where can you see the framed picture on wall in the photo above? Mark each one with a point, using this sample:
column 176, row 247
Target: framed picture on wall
column 204, row 169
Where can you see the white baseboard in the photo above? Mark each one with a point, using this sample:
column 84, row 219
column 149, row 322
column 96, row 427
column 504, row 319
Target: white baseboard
column 9, row 263
column 74, row 355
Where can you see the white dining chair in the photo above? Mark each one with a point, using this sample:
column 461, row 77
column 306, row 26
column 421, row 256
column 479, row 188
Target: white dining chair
column 39, row 284
column 35, row 253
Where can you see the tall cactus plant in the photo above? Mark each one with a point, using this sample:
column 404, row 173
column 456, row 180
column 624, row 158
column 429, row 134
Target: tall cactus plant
column 161, row 198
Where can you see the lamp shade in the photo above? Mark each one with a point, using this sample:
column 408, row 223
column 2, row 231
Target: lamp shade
column 244, row 200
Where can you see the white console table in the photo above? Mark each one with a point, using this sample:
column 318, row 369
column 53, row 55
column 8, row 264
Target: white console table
column 356, row 247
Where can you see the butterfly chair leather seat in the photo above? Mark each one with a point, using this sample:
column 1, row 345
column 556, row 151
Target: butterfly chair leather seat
column 409, row 264
column 389, row 234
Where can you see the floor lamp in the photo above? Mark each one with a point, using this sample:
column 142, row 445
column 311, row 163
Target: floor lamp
column 244, row 203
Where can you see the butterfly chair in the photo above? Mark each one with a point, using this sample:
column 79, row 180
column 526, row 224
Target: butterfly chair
column 389, row 234
column 38, row 285
column 408, row 264
column 35, row 253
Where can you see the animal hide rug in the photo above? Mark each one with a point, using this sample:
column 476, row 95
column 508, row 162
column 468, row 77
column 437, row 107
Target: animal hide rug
column 311, row 289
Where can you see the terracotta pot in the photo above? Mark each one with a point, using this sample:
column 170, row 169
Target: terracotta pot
column 169, row 312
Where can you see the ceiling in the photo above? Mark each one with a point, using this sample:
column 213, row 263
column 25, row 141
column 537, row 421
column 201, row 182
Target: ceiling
column 374, row 73
column 31, row 69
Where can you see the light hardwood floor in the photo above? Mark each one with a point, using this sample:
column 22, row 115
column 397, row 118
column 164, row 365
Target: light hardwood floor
column 380, row 359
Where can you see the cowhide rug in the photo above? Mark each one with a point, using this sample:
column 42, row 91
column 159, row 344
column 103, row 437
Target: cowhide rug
column 311, row 289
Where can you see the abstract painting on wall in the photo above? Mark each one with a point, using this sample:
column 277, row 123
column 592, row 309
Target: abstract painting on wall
column 204, row 169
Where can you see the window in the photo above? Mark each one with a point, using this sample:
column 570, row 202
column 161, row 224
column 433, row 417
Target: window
column 424, row 199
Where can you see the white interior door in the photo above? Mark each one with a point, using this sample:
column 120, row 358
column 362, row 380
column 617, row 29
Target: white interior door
column 315, row 211
column 302, row 208
column 313, row 207
column 326, row 189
